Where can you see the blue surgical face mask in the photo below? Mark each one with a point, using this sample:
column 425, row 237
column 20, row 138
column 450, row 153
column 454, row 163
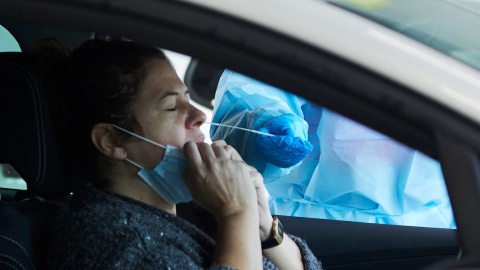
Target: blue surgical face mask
column 166, row 178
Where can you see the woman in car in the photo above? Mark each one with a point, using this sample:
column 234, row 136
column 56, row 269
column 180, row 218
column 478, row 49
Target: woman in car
column 124, row 116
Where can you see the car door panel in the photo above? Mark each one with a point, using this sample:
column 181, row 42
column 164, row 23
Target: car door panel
column 355, row 245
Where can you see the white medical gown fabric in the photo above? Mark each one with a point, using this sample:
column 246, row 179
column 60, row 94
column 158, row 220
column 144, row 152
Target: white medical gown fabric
column 353, row 173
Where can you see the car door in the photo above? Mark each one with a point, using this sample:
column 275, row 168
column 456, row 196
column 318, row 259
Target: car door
column 326, row 79
column 342, row 236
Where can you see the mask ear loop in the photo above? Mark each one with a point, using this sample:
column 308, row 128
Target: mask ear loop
column 134, row 163
column 140, row 137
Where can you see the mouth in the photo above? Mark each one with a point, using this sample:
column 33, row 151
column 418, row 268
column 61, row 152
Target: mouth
column 200, row 139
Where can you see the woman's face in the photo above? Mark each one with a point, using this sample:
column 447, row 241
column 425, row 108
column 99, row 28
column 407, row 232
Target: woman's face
column 164, row 114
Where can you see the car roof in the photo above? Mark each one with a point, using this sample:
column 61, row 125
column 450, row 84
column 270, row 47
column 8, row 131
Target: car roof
column 368, row 44
column 373, row 46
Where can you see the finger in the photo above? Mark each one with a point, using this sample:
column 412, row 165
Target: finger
column 232, row 153
column 252, row 169
column 206, row 151
column 192, row 154
column 219, row 143
column 220, row 152
column 258, row 178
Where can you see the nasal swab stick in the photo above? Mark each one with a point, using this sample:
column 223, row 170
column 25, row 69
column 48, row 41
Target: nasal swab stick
column 246, row 129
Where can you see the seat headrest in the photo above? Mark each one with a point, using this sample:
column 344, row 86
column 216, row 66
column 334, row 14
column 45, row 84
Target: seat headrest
column 27, row 139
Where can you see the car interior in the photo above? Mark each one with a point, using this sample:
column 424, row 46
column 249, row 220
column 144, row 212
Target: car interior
column 28, row 144
column 28, row 216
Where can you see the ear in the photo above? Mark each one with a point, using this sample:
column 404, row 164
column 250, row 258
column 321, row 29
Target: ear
column 103, row 138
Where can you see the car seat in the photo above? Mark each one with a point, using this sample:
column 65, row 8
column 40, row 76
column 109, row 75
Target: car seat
column 27, row 142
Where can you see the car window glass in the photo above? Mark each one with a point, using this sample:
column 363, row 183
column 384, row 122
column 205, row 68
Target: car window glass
column 322, row 165
column 9, row 178
column 7, row 42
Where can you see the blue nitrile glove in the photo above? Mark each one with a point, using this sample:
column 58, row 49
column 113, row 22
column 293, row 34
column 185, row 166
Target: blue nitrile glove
column 284, row 149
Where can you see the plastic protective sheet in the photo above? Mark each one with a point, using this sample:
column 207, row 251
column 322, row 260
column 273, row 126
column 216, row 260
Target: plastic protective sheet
column 352, row 173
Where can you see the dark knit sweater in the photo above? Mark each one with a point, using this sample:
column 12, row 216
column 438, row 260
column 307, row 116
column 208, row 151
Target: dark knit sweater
column 107, row 231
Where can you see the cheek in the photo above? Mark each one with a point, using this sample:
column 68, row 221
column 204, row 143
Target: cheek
column 172, row 134
column 168, row 128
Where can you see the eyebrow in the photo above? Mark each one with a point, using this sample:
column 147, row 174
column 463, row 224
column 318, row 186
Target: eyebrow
column 172, row 94
column 168, row 94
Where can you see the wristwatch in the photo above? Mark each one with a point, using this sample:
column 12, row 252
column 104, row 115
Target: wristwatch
column 277, row 235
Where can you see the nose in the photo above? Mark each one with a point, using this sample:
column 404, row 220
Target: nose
column 195, row 118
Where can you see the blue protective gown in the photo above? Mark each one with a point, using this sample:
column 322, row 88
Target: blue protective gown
column 352, row 173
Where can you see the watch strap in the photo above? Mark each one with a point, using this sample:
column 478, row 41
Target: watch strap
column 277, row 235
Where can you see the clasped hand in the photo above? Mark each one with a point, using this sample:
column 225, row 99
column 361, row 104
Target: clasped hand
column 224, row 185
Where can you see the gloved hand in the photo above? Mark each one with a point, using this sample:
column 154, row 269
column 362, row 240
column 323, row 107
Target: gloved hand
column 284, row 149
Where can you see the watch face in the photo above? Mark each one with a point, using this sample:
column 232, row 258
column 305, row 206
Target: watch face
column 280, row 229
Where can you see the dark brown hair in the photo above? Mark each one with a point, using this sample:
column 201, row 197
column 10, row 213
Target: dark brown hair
column 98, row 83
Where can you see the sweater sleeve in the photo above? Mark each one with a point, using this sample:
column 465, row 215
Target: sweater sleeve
column 309, row 260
